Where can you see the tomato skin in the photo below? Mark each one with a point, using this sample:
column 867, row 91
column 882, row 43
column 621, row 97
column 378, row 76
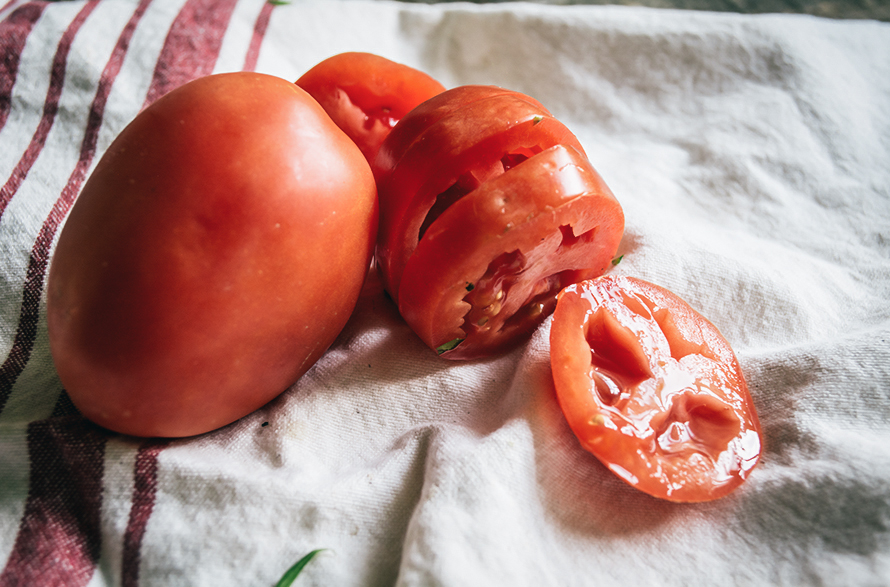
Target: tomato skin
column 484, row 194
column 367, row 94
column 652, row 389
column 213, row 255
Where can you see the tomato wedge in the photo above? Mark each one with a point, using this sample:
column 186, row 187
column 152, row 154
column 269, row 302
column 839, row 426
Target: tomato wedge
column 489, row 207
column 652, row 389
column 366, row 94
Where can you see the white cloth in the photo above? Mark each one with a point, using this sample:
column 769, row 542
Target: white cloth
column 752, row 157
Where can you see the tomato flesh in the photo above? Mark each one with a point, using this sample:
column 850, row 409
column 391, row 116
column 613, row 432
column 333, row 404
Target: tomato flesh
column 367, row 94
column 652, row 389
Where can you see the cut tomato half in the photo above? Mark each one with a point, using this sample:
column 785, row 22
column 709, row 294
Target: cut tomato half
column 366, row 95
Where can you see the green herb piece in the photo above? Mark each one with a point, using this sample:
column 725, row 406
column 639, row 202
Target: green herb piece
column 278, row 2
column 291, row 574
column 449, row 345
column 537, row 119
column 470, row 286
column 617, row 260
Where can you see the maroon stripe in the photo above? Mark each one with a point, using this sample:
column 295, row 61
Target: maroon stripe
column 259, row 31
column 14, row 31
column 190, row 50
column 145, row 486
column 64, row 406
column 26, row 332
column 7, row 5
column 50, row 108
column 59, row 537
column 192, row 45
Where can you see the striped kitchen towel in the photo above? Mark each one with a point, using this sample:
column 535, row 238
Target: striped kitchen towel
column 751, row 156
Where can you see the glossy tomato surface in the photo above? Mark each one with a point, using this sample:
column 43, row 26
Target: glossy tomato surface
column 213, row 255
column 653, row 389
column 367, row 94
column 489, row 207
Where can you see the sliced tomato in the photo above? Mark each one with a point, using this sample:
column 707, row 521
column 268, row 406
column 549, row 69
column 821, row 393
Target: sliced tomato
column 489, row 207
column 367, row 94
column 487, row 271
column 460, row 139
column 652, row 389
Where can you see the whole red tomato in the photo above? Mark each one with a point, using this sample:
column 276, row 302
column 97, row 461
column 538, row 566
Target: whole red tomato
column 213, row 255
column 366, row 94
column 488, row 208
column 653, row 389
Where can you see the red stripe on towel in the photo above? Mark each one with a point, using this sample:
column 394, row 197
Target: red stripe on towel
column 26, row 332
column 50, row 107
column 190, row 51
column 14, row 31
column 145, row 486
column 192, row 45
column 6, row 6
column 59, row 537
column 259, row 31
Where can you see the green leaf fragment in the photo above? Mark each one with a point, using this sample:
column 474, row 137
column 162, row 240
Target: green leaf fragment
column 278, row 2
column 537, row 119
column 449, row 345
column 288, row 578
column 617, row 260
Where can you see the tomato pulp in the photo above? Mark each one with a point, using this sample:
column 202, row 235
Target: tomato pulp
column 366, row 95
column 489, row 207
column 653, row 389
column 214, row 254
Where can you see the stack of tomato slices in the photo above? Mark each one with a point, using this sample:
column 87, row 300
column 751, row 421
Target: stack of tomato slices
column 489, row 207
column 491, row 218
column 490, row 212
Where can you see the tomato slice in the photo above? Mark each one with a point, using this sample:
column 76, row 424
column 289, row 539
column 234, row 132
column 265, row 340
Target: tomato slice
column 487, row 270
column 426, row 114
column 652, row 389
column 452, row 149
column 367, row 94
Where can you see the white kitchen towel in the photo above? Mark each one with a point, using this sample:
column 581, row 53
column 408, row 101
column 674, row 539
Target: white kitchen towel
column 752, row 157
